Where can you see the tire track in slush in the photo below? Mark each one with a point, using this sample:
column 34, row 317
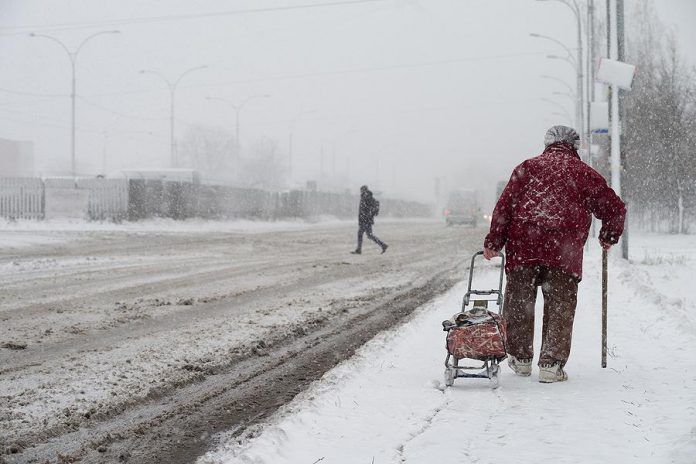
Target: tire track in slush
column 175, row 424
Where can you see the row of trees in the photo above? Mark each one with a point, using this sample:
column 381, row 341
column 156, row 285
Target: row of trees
column 659, row 127
column 215, row 153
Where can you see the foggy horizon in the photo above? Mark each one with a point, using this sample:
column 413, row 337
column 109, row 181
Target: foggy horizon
column 393, row 94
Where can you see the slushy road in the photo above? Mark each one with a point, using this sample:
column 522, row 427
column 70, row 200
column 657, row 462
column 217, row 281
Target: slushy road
column 140, row 345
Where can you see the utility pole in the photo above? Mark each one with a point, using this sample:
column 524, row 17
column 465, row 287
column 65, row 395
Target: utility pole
column 579, row 108
column 615, row 129
column 590, row 89
column 621, row 52
column 105, row 134
column 292, row 129
column 73, row 89
column 290, row 156
column 580, row 95
column 615, row 47
column 172, row 85
column 589, row 78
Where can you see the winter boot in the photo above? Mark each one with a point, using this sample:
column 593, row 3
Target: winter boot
column 549, row 373
column 521, row 367
column 384, row 248
column 356, row 252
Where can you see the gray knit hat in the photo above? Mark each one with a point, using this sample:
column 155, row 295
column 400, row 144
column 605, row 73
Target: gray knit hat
column 562, row 134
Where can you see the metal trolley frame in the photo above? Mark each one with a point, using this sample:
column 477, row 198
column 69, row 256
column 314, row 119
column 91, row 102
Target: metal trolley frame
column 490, row 368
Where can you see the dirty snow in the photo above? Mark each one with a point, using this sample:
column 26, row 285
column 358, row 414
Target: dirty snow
column 110, row 317
column 26, row 233
column 388, row 405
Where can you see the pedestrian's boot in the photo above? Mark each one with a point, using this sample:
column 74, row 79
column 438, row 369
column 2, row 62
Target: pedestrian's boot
column 549, row 373
column 384, row 248
column 357, row 252
column 521, row 367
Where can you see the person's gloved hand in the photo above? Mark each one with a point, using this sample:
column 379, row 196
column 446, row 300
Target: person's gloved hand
column 447, row 325
column 488, row 253
column 605, row 245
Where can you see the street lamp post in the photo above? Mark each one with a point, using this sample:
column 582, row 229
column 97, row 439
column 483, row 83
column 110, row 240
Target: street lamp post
column 575, row 8
column 238, row 110
column 561, row 107
column 565, row 47
column 292, row 129
column 565, row 94
column 73, row 92
column 579, row 112
column 172, row 89
column 558, row 113
column 570, row 89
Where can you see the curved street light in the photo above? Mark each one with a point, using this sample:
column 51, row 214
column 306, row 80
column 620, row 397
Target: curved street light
column 238, row 109
column 575, row 8
column 73, row 93
column 292, row 129
column 570, row 89
column 565, row 47
column 564, row 116
column 172, row 85
column 565, row 94
column 561, row 107
column 567, row 59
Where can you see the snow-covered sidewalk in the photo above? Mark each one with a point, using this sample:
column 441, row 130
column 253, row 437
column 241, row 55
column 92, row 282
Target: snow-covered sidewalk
column 388, row 405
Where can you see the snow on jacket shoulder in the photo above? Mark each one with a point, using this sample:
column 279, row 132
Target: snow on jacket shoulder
column 544, row 213
column 368, row 208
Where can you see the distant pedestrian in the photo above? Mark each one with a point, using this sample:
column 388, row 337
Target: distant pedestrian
column 543, row 219
column 369, row 208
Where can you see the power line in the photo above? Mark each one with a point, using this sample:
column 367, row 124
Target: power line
column 55, row 123
column 335, row 73
column 377, row 68
column 117, row 113
column 15, row 30
column 292, row 76
column 31, row 94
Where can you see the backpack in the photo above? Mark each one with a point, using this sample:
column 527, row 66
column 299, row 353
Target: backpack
column 375, row 208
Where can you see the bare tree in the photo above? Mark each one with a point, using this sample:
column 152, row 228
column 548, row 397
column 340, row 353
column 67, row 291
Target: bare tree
column 264, row 167
column 211, row 151
column 660, row 110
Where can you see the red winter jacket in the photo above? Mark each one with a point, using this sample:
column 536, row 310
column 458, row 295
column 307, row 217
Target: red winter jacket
column 543, row 215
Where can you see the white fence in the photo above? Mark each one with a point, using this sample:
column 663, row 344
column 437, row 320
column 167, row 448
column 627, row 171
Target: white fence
column 118, row 199
column 21, row 198
column 107, row 199
column 62, row 197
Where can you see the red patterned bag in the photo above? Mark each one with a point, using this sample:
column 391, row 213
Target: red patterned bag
column 478, row 337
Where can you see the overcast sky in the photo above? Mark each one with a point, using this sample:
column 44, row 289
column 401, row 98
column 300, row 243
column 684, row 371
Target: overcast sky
column 394, row 93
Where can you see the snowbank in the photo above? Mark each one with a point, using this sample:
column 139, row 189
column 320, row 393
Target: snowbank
column 388, row 404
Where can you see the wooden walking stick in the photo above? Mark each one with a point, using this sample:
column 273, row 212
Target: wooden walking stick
column 604, row 308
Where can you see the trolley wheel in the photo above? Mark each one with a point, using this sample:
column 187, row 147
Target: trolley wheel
column 450, row 374
column 493, row 375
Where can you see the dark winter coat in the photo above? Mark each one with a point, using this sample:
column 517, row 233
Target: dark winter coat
column 544, row 214
column 368, row 209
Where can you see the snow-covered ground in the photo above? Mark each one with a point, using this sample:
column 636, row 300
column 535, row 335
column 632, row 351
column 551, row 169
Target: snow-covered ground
column 25, row 233
column 388, row 405
column 96, row 327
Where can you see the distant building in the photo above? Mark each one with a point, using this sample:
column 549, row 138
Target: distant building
column 16, row 158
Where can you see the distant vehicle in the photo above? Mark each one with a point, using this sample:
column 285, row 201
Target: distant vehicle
column 462, row 208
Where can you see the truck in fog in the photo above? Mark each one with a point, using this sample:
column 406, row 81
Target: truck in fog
column 462, row 208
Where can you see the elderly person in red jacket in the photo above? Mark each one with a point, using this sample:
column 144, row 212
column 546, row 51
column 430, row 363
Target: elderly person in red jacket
column 542, row 219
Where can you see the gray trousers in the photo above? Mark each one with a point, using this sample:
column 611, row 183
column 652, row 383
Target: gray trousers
column 560, row 291
column 367, row 228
